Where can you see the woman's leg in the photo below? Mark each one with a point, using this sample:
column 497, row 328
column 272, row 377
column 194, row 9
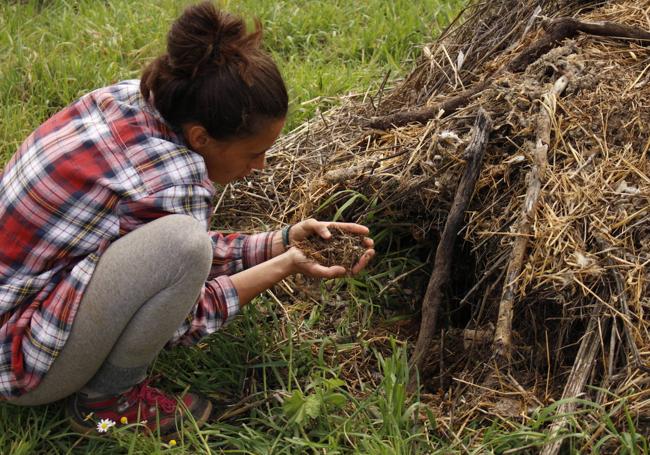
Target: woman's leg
column 143, row 287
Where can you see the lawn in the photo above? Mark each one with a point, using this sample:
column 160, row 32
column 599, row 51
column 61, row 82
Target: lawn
column 278, row 382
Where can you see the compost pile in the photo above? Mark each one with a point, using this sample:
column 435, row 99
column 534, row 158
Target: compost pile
column 558, row 225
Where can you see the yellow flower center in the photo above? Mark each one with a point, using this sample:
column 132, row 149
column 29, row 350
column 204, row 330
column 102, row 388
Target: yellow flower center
column 172, row 442
column 124, row 420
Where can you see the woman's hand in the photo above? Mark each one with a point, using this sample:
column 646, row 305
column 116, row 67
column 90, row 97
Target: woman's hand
column 252, row 281
column 304, row 229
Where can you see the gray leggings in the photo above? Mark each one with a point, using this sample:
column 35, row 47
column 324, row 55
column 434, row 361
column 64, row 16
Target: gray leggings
column 143, row 287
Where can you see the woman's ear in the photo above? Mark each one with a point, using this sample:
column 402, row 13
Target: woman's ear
column 196, row 136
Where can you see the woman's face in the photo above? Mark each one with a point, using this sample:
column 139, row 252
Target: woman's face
column 234, row 159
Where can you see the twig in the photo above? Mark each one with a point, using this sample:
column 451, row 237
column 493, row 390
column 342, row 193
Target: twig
column 580, row 372
column 535, row 177
column 442, row 262
column 240, row 407
column 381, row 89
column 425, row 114
column 567, row 27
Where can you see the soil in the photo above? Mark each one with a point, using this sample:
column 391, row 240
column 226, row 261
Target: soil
column 343, row 248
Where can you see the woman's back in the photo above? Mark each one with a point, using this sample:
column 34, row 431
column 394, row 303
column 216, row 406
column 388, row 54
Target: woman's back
column 92, row 173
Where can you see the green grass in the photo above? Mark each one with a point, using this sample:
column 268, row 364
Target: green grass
column 52, row 51
column 284, row 371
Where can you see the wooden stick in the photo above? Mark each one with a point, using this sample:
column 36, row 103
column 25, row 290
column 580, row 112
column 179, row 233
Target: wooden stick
column 473, row 337
column 535, row 177
column 556, row 31
column 585, row 359
column 566, row 27
column 425, row 114
column 442, row 264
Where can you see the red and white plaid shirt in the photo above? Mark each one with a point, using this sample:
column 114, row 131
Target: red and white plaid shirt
column 95, row 171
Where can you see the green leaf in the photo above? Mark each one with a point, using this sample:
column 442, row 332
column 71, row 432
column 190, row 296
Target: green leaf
column 348, row 203
column 294, row 408
column 335, row 399
column 300, row 409
column 312, row 406
column 334, row 383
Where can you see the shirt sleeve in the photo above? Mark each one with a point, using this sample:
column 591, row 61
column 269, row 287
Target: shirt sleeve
column 217, row 305
column 235, row 252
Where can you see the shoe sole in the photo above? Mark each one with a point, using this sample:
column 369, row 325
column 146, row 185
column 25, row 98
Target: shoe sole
column 199, row 421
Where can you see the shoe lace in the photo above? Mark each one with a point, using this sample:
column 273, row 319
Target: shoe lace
column 143, row 392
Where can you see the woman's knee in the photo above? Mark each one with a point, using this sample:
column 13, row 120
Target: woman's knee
column 189, row 241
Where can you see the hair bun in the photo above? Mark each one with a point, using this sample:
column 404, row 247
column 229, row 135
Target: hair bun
column 204, row 38
column 215, row 73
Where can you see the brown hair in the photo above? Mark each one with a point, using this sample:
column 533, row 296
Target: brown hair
column 216, row 74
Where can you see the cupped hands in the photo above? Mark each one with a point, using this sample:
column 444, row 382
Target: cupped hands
column 307, row 228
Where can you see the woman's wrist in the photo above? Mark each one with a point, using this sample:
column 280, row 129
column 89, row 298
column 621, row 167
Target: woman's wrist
column 292, row 257
column 286, row 264
column 251, row 282
column 276, row 244
column 281, row 241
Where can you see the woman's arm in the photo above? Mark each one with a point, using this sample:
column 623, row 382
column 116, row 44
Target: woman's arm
column 252, row 282
column 223, row 295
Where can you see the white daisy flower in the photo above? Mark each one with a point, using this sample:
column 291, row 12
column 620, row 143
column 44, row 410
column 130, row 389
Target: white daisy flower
column 104, row 425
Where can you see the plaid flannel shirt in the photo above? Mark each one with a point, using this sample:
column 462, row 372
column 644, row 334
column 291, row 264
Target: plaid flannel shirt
column 95, row 171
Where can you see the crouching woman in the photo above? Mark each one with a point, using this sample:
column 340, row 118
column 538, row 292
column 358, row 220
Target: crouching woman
column 105, row 251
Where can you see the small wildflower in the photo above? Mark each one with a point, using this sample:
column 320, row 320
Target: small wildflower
column 124, row 420
column 104, row 425
column 172, row 442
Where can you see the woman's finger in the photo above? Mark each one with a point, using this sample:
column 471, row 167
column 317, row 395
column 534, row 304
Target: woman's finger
column 363, row 261
column 353, row 228
column 335, row 271
column 323, row 231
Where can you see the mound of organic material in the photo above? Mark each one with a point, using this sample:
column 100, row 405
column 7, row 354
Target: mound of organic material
column 343, row 248
column 556, row 304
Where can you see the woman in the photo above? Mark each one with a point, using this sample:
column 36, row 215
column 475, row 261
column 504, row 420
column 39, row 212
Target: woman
column 105, row 254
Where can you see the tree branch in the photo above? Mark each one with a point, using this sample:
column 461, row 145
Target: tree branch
column 442, row 264
column 535, row 178
column 423, row 115
column 566, row 27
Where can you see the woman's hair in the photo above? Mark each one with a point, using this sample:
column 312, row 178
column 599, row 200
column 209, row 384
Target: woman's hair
column 216, row 74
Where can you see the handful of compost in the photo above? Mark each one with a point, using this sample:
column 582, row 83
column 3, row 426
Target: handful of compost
column 343, row 248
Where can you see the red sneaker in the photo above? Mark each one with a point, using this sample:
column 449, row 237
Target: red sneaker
column 143, row 403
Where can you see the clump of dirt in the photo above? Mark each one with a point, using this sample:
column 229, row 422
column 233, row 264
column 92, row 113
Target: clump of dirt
column 343, row 248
